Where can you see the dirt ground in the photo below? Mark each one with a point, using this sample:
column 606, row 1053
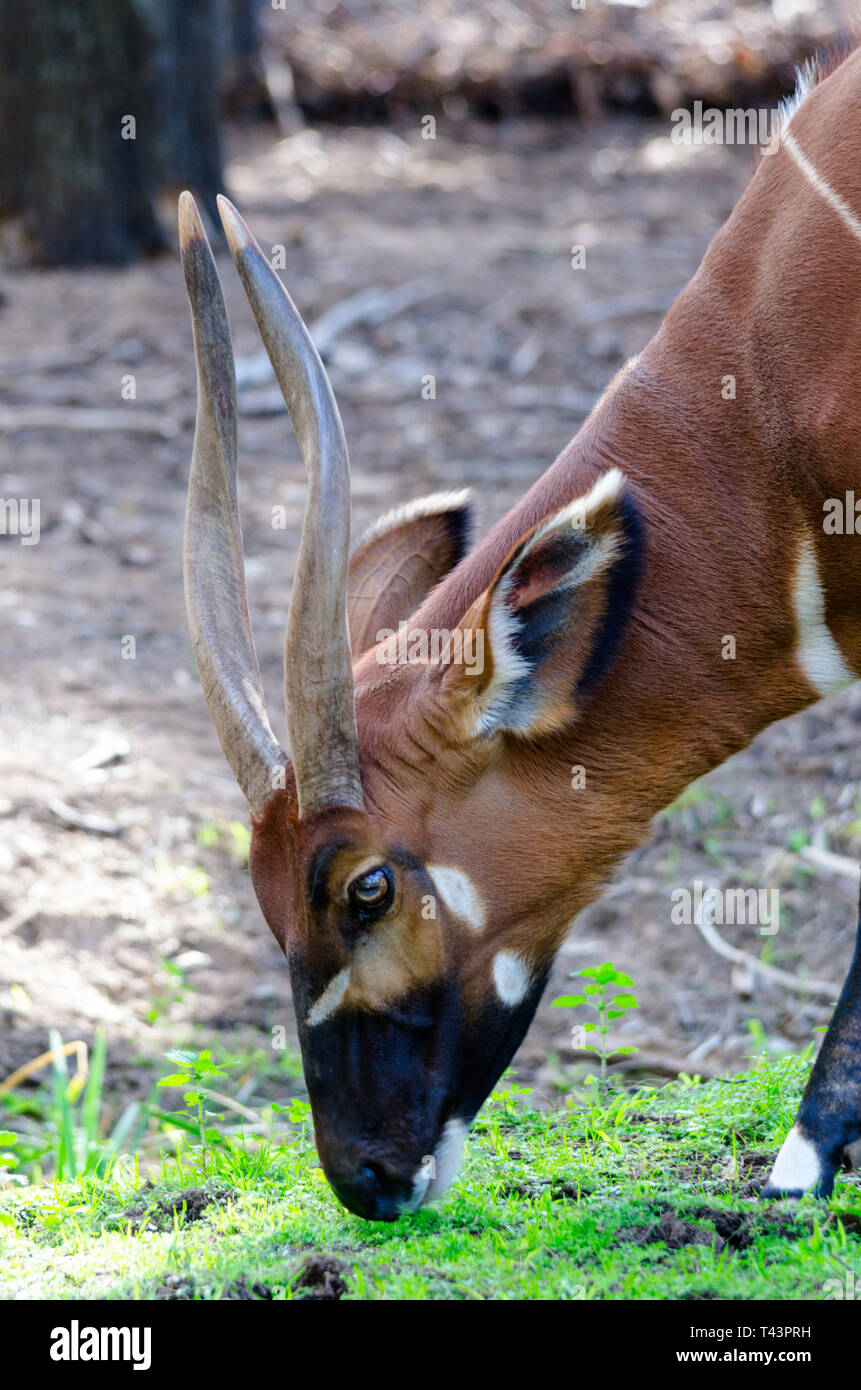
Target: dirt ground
column 111, row 922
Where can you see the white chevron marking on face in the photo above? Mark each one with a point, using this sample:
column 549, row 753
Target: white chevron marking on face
column 459, row 894
column 330, row 999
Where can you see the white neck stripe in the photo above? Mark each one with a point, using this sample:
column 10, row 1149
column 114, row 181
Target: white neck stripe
column 840, row 206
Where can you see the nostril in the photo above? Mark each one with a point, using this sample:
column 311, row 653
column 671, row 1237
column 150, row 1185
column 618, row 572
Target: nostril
column 373, row 1191
column 370, row 1176
column 384, row 1188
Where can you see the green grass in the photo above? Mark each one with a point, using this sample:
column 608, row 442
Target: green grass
column 616, row 1196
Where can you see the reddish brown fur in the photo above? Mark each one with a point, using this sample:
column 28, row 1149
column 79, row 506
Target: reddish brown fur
column 770, row 305
column 726, row 490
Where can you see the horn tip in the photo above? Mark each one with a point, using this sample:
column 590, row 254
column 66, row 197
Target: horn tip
column 239, row 237
column 190, row 225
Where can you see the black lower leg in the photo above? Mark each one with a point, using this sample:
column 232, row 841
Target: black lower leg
column 829, row 1117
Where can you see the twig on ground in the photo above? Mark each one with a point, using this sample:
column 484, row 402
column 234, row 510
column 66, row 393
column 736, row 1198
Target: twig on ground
column 60, row 359
column 660, row 1064
column 231, row 1104
column 23, row 914
column 78, row 1048
column 831, row 863
column 82, row 418
column 768, row 972
column 83, row 820
column 372, row 306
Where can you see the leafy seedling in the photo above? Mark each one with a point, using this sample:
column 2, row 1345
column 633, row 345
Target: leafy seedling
column 600, row 995
column 198, row 1069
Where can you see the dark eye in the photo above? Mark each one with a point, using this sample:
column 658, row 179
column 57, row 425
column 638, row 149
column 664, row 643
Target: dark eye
column 371, row 893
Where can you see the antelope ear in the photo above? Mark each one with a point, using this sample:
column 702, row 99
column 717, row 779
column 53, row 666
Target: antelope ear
column 400, row 559
column 552, row 618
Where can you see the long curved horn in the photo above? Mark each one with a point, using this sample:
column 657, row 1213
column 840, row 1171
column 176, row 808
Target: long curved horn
column 212, row 555
column 318, row 676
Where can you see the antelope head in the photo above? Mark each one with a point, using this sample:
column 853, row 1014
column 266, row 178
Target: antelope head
column 396, row 853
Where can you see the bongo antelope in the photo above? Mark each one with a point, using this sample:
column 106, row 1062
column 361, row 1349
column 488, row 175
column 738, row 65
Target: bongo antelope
column 421, row 854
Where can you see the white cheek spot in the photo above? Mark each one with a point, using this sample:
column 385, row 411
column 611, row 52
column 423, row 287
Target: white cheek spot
column 447, row 1158
column 512, row 977
column 817, row 652
column 797, row 1166
column 459, row 894
column 330, row 999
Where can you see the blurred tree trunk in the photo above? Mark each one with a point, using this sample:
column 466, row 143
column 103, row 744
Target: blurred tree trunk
column 102, row 105
column 246, row 93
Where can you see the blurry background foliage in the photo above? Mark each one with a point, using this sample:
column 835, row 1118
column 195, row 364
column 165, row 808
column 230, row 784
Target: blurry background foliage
column 73, row 190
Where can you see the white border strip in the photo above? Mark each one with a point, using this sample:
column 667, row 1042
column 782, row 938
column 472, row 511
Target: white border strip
column 840, row 206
